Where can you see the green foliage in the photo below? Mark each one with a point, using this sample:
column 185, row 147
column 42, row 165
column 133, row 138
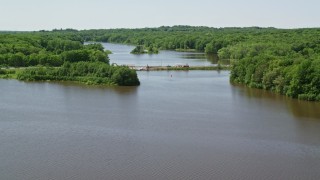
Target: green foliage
column 76, row 55
column 284, row 61
column 16, row 60
column 2, row 71
column 60, row 56
column 287, row 65
column 95, row 46
column 152, row 49
column 138, row 50
column 183, row 38
column 124, row 76
column 85, row 72
column 48, row 49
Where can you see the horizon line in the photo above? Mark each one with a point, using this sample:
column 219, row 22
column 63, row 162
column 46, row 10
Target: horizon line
column 84, row 29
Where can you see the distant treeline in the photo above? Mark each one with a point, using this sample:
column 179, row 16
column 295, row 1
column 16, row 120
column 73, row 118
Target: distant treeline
column 40, row 52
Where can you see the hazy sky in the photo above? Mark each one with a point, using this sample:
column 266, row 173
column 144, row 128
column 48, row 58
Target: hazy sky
column 94, row 14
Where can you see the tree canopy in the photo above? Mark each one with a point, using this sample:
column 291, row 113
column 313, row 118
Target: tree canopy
column 285, row 61
column 59, row 55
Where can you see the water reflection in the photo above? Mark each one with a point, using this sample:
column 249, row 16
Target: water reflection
column 213, row 58
column 299, row 109
column 125, row 90
column 305, row 109
column 121, row 90
column 193, row 56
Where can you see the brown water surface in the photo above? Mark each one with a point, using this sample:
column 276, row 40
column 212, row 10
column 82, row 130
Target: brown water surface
column 193, row 125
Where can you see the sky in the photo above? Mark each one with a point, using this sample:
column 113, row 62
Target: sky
column 30, row 15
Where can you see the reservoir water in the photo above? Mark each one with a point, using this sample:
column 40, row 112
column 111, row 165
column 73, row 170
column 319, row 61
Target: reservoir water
column 121, row 55
column 176, row 125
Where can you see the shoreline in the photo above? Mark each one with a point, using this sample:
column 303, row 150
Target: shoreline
column 180, row 68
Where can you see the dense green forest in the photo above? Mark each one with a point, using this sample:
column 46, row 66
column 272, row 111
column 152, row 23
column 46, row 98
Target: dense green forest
column 59, row 56
column 286, row 61
column 140, row 49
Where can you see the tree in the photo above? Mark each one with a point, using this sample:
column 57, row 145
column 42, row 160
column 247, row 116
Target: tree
column 16, row 60
column 125, row 77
